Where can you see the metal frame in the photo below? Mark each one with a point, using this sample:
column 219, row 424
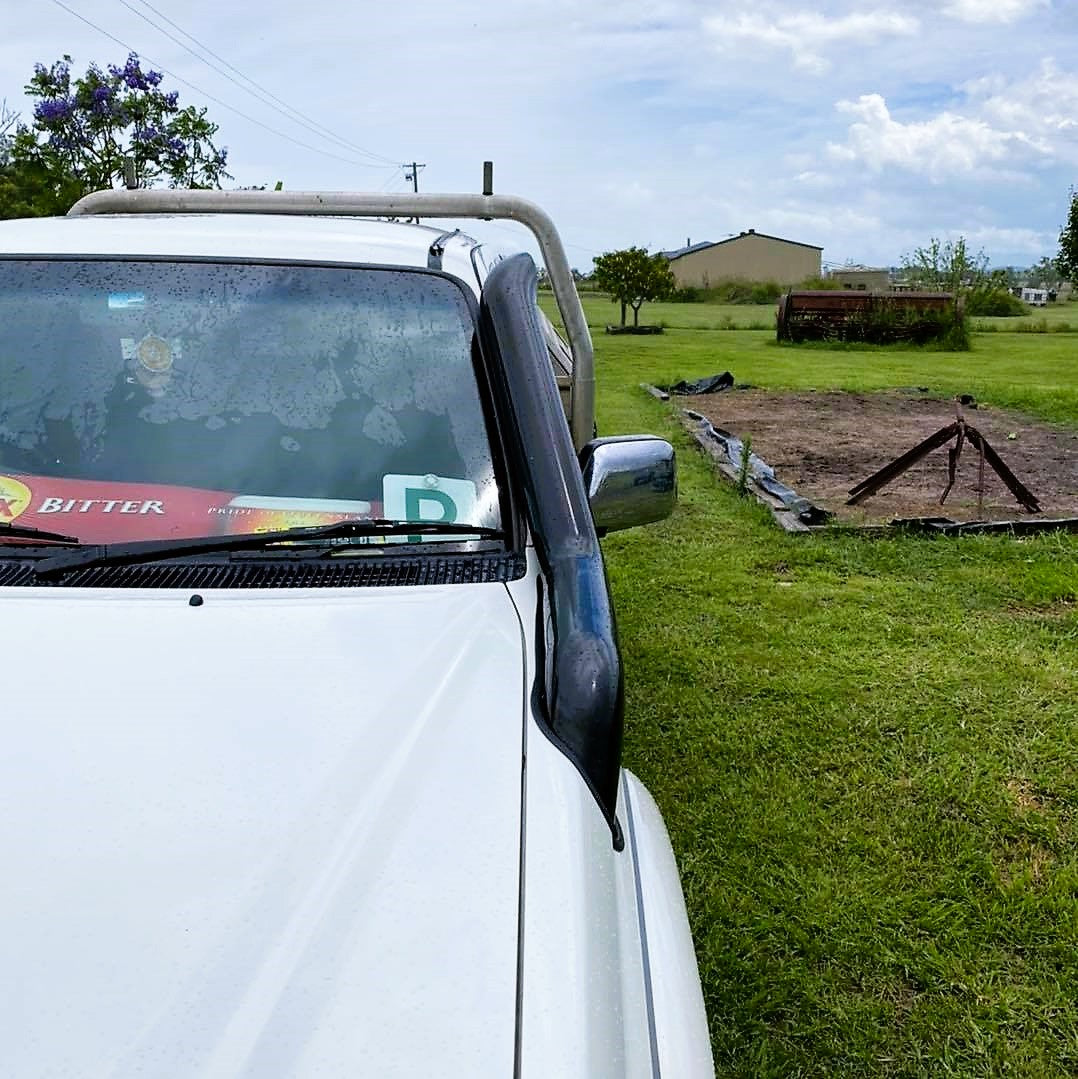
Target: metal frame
column 349, row 204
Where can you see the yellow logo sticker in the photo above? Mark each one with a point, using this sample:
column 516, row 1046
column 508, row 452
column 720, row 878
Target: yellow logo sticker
column 14, row 498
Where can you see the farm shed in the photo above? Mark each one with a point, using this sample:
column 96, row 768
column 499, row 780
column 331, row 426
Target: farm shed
column 862, row 278
column 751, row 256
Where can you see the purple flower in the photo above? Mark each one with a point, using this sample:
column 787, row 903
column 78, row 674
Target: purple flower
column 53, row 111
column 153, row 78
column 177, row 146
column 172, row 99
column 131, row 74
column 148, row 136
column 102, row 103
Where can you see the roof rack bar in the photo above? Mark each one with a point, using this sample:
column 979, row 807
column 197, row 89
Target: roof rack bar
column 348, row 204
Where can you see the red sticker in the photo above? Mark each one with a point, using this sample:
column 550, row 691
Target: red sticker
column 99, row 511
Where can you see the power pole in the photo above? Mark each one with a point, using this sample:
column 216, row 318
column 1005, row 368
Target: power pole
column 411, row 172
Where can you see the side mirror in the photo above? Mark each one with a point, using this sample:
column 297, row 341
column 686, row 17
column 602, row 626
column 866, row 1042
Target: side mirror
column 630, row 481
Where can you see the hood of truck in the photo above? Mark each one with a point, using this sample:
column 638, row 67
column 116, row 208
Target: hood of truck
column 271, row 834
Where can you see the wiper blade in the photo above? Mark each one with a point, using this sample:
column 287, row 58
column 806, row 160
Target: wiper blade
column 119, row 554
column 29, row 532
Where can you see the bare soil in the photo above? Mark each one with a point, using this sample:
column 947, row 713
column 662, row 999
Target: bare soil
column 822, row 444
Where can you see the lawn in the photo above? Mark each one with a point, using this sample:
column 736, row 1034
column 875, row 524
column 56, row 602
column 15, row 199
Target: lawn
column 866, row 749
column 1057, row 317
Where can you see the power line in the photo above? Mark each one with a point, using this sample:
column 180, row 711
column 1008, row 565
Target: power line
column 260, row 93
column 210, row 97
column 515, row 232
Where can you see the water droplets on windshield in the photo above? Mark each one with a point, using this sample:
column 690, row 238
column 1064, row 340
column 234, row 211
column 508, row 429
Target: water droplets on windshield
column 293, row 381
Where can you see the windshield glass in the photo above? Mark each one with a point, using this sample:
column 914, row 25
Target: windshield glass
column 155, row 400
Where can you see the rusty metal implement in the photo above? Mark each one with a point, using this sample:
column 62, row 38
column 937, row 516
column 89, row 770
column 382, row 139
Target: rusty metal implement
column 960, row 431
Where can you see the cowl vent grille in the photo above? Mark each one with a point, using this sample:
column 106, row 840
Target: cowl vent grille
column 360, row 572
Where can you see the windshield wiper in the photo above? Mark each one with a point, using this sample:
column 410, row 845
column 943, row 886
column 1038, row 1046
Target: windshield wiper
column 119, row 554
column 29, row 532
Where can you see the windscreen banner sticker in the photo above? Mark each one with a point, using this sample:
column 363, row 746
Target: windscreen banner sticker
column 267, row 514
column 428, row 498
column 98, row 511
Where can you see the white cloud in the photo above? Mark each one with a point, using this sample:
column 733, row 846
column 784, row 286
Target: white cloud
column 628, row 196
column 987, row 11
column 1045, row 104
column 946, row 145
column 808, row 35
column 1025, row 241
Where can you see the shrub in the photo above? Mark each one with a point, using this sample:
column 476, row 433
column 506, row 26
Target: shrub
column 955, row 336
column 995, row 303
column 687, row 294
column 732, row 291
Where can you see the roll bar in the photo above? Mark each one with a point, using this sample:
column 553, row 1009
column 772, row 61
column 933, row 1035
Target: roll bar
column 357, row 204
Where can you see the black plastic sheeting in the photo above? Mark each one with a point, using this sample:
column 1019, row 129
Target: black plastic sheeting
column 761, row 474
column 711, row 384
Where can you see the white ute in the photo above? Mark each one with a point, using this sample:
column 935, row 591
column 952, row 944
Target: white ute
column 312, row 712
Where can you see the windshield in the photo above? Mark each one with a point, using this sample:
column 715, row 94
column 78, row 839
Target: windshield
column 157, row 400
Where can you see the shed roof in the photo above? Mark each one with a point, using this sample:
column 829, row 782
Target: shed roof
column 687, row 250
column 671, row 255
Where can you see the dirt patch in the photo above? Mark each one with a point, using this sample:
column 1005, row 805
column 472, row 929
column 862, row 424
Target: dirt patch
column 1023, row 861
column 1025, row 799
column 822, row 444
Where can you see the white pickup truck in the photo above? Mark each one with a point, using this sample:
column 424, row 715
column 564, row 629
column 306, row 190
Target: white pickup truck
column 312, row 714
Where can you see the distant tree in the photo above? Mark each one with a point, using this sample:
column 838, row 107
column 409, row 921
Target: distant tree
column 1012, row 276
column 944, row 266
column 632, row 277
column 84, row 129
column 1046, row 274
column 1067, row 259
column 8, row 119
column 948, row 266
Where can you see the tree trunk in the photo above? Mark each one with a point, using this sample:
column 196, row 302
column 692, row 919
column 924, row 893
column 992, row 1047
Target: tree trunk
column 636, row 314
column 623, row 312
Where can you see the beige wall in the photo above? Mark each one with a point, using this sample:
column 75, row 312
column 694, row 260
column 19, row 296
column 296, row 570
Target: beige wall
column 868, row 280
column 751, row 257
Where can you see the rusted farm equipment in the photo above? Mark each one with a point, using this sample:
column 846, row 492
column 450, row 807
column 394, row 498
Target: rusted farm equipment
column 872, row 317
column 960, row 431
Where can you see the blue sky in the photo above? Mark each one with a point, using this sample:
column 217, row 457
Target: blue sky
column 865, row 128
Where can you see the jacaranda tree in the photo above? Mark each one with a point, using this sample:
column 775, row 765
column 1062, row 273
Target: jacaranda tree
column 85, row 128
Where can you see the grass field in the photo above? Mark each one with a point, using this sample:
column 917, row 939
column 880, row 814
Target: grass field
column 866, row 749
column 704, row 316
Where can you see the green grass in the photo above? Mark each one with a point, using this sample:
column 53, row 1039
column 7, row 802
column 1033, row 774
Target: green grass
column 1053, row 318
column 866, row 750
column 1034, row 373
column 601, row 312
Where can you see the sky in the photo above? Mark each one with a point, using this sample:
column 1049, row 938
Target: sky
column 863, row 128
